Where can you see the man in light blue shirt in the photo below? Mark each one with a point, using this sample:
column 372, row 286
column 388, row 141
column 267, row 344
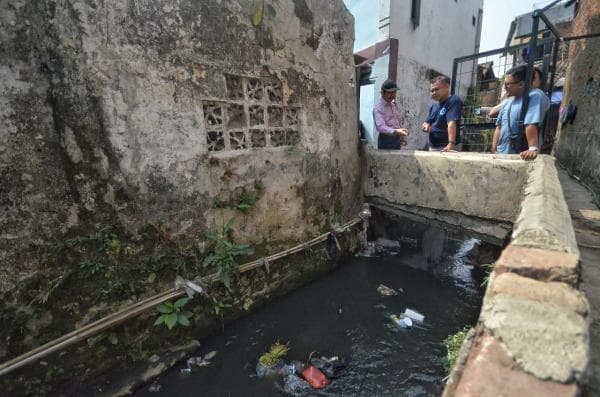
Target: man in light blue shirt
column 507, row 126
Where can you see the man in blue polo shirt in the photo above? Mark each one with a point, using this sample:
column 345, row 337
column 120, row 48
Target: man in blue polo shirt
column 443, row 121
column 507, row 125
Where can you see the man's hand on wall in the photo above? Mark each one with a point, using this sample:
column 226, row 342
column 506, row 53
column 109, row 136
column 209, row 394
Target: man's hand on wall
column 529, row 154
column 450, row 147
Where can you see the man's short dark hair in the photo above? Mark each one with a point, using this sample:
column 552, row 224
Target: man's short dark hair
column 518, row 73
column 389, row 86
column 440, row 79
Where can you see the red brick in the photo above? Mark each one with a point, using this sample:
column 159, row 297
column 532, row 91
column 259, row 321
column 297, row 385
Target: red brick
column 491, row 372
column 539, row 264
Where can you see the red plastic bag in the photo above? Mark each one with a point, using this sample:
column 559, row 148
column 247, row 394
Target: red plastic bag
column 315, row 377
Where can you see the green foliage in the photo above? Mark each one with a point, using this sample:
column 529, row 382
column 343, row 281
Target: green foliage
column 259, row 185
column 275, row 354
column 489, row 268
column 53, row 285
column 109, row 240
column 218, row 202
column 262, row 10
column 220, row 306
column 91, row 268
column 453, row 343
column 224, row 253
column 246, row 201
column 172, row 314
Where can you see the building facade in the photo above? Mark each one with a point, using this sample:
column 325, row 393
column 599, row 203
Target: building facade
column 411, row 42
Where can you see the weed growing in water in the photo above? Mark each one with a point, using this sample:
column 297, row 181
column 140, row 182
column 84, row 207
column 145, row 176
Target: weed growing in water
column 453, row 343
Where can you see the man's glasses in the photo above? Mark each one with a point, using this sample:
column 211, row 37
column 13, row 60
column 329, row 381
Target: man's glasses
column 506, row 84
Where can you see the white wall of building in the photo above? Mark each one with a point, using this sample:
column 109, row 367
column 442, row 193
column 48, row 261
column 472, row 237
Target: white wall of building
column 446, row 31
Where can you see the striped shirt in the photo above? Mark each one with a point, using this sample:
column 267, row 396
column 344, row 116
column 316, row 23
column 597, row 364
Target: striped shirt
column 386, row 117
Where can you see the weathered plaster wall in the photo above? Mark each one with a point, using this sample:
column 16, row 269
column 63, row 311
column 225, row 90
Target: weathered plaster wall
column 577, row 145
column 119, row 112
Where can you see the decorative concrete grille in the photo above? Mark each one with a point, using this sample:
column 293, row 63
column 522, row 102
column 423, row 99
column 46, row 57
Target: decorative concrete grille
column 252, row 116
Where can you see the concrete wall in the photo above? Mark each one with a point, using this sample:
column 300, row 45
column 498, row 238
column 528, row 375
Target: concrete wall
column 479, row 186
column 577, row 145
column 532, row 334
column 106, row 121
column 532, row 337
column 124, row 121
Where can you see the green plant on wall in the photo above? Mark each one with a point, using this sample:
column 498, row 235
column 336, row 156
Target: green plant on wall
column 246, row 201
column 453, row 343
column 260, row 11
column 224, row 253
column 172, row 314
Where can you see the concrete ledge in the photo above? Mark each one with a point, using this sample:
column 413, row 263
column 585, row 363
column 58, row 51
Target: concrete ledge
column 544, row 220
column 561, row 295
column 490, row 371
column 542, row 325
column 533, row 330
column 539, row 264
column 479, row 185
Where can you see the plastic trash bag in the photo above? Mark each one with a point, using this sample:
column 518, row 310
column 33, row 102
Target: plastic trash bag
column 332, row 367
column 296, row 386
column 315, row 377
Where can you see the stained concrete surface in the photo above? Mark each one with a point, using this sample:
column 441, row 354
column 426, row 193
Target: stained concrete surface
column 586, row 222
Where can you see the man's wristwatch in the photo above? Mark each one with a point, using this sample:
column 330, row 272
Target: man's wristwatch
column 452, row 142
column 533, row 148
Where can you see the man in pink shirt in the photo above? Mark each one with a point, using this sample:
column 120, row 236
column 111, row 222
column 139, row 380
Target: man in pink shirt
column 387, row 119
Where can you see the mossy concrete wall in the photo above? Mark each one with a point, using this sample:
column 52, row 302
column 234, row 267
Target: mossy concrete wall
column 128, row 130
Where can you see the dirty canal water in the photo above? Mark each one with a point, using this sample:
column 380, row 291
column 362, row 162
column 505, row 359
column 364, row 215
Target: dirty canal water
column 343, row 314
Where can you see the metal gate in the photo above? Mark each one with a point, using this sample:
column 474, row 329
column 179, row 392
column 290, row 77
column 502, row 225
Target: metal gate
column 479, row 80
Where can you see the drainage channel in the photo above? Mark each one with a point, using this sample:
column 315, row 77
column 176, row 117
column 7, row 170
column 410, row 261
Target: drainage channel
column 344, row 314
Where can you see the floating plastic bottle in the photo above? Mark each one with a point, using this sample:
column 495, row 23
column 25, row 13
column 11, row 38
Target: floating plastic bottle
column 402, row 322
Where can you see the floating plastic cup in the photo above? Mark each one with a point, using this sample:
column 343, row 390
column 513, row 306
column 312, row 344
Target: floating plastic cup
column 402, row 322
column 416, row 316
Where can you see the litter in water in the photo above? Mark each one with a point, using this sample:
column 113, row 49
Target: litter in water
column 414, row 315
column 315, row 378
column 384, row 246
column 154, row 387
column 296, row 386
column 402, row 322
column 386, row 291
